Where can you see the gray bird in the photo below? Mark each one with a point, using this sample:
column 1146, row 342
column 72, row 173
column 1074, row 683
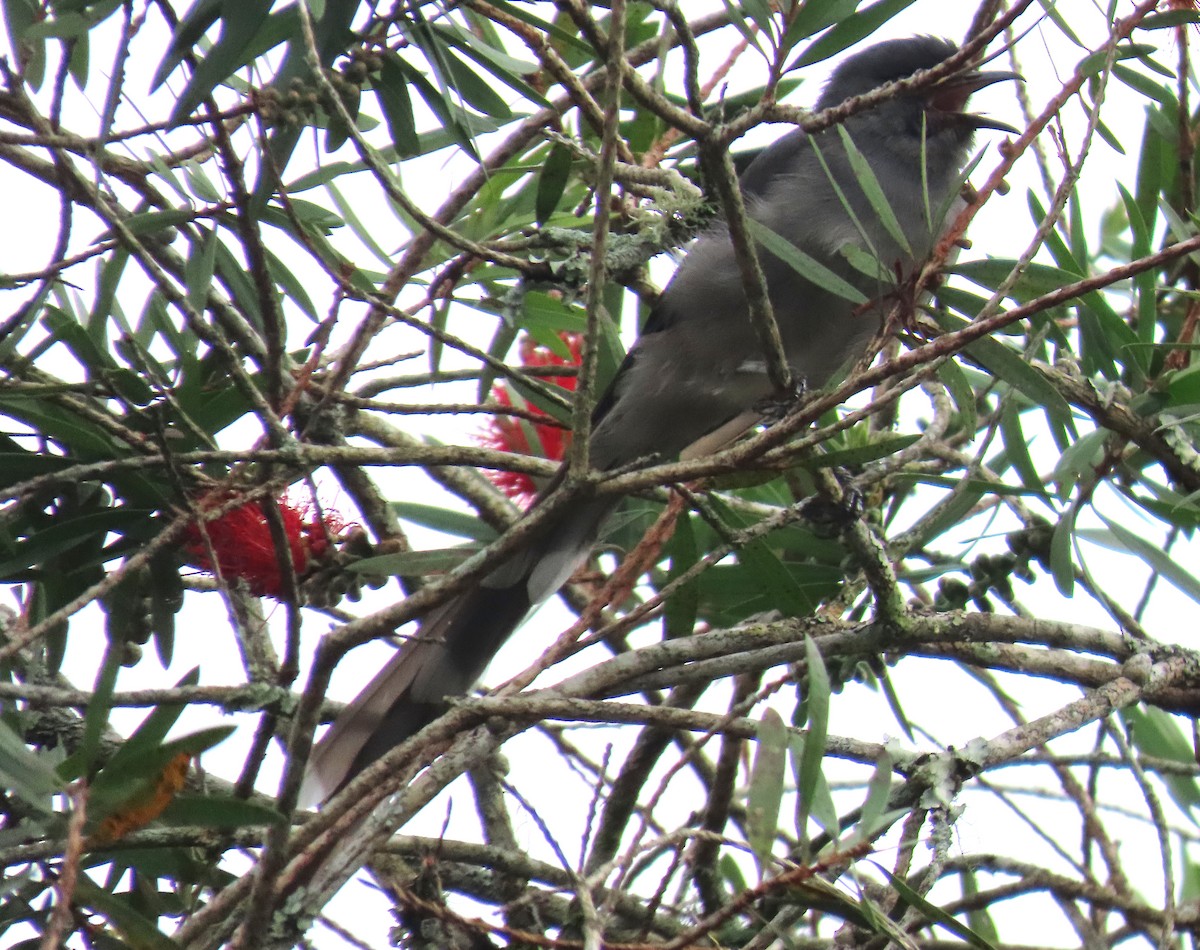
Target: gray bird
column 698, row 370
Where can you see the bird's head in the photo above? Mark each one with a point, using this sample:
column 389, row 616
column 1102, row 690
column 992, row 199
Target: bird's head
column 933, row 116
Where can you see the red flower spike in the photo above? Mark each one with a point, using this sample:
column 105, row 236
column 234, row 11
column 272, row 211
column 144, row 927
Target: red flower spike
column 241, row 540
column 511, row 433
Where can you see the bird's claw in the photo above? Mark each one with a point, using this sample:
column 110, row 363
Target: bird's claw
column 827, row 517
column 776, row 407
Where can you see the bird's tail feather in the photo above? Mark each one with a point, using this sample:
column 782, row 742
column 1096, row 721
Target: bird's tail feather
column 449, row 652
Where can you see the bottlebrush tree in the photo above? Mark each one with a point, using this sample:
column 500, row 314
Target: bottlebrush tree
column 302, row 302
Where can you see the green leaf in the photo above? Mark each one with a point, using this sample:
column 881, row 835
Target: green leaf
column 1078, row 230
column 337, row 128
column 363, row 232
column 110, row 273
column 766, row 787
column 731, row 592
column 849, row 30
column 191, row 28
column 219, row 811
column 879, row 793
column 864, row 174
column 454, row 121
column 1052, row 12
column 729, row 106
column 1062, row 565
column 454, row 76
column 763, row 571
column 242, row 23
column 979, row 917
column 68, row 533
column 682, row 607
column 552, row 182
column 392, row 92
column 562, row 40
column 96, row 718
column 118, row 910
column 166, row 600
column 198, row 272
column 126, row 773
column 152, row 731
column 879, row 447
column 760, row 13
column 70, row 25
column 1079, row 457
column 156, row 321
column 809, row 764
column 290, row 285
column 544, row 317
column 956, row 382
column 963, row 497
column 866, row 263
column 19, row 466
column 233, row 275
column 445, row 520
column 414, row 563
column 894, row 704
column 804, row 265
column 1146, row 86
column 1165, row 504
column 100, row 365
column 820, row 808
column 1169, row 19
column 82, row 437
column 935, row 915
column 26, row 774
column 1120, row 538
column 816, row 15
column 199, row 183
column 508, row 69
column 20, row 16
column 1011, row 367
column 738, row 22
column 1016, row 446
column 1093, row 64
column 731, row 874
column 1157, row 733
column 1036, row 280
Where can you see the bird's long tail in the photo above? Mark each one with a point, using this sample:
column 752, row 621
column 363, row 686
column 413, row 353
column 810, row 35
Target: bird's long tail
column 450, row 651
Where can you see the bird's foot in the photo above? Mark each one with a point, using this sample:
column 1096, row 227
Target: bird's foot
column 833, row 512
column 777, row 406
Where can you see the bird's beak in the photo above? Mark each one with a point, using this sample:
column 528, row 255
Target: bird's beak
column 950, row 97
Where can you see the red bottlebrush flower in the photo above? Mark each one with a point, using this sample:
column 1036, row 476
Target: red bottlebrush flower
column 512, row 433
column 241, row 540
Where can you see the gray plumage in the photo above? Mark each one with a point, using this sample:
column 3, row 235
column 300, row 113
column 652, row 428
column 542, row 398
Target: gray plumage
column 698, row 368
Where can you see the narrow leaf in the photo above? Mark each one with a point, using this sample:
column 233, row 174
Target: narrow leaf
column 198, row 271
column 816, row 711
column 552, row 182
column 935, row 915
column 766, row 786
column 850, row 30
column 803, row 264
column 392, row 92
column 25, row 774
column 865, row 175
column 1159, row 561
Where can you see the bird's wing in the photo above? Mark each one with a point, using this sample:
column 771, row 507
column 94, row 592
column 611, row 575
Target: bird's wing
column 762, row 170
